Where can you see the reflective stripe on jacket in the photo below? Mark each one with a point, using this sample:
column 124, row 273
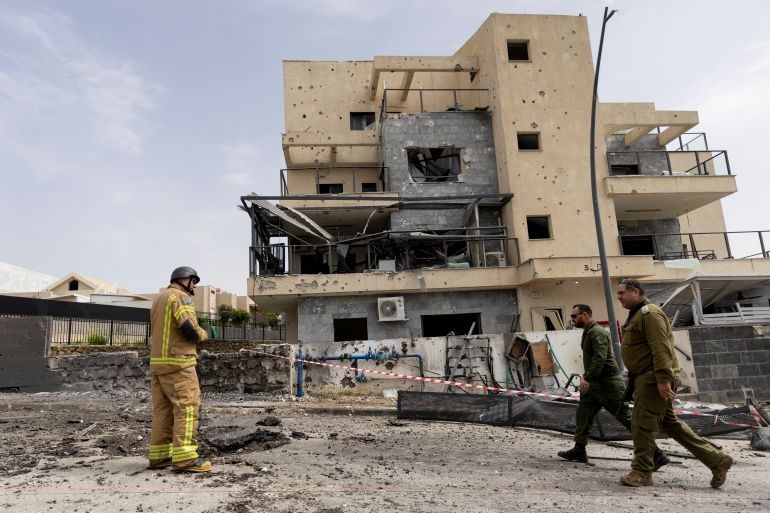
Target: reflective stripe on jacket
column 171, row 350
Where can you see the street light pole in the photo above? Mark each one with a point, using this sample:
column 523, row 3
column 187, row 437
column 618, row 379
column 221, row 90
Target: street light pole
column 608, row 292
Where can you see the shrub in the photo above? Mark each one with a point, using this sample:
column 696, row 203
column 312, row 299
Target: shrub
column 239, row 317
column 225, row 313
column 95, row 339
column 272, row 319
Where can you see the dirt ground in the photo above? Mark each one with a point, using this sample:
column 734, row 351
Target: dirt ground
column 83, row 453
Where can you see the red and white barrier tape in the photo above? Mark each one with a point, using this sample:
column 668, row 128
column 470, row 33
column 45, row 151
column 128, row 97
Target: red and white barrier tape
column 573, row 398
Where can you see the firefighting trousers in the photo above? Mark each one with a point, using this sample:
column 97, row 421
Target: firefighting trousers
column 176, row 399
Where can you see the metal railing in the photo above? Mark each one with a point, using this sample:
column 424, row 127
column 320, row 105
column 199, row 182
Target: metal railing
column 354, row 173
column 434, row 100
column 392, row 250
column 68, row 331
column 700, row 245
column 669, row 163
column 97, row 332
column 695, row 140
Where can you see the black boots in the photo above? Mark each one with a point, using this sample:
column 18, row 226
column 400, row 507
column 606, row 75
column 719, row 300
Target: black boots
column 659, row 459
column 577, row 453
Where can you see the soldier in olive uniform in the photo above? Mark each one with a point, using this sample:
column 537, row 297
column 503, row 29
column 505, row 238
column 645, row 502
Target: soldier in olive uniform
column 601, row 386
column 648, row 354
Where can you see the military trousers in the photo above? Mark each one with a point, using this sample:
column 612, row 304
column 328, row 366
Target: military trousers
column 176, row 400
column 604, row 393
column 652, row 414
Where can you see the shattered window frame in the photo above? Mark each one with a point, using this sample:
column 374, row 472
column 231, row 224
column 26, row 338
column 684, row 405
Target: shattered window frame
column 429, row 164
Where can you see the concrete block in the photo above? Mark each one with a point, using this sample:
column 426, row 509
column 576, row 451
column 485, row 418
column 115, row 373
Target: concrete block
column 728, row 358
column 724, row 371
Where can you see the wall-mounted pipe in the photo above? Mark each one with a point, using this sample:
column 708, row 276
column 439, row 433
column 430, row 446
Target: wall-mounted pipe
column 378, row 356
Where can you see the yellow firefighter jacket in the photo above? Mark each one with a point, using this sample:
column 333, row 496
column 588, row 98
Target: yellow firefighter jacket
column 175, row 331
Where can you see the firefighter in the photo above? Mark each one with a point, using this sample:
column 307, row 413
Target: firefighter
column 175, row 390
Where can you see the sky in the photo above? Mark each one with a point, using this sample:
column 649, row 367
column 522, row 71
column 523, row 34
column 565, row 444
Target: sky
column 129, row 130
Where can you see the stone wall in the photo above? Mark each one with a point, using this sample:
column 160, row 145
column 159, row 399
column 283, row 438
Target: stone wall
column 241, row 371
column 102, row 371
column 729, row 358
column 23, row 346
column 246, row 371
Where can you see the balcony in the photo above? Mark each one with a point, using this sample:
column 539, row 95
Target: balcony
column 657, row 184
column 737, row 245
column 333, row 180
column 400, row 102
column 388, row 251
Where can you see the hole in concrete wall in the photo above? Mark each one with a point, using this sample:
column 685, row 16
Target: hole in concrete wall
column 539, row 227
column 518, row 50
column 329, row 188
column 350, row 329
column 528, row 140
column 624, row 169
column 434, row 164
column 459, row 324
column 362, row 121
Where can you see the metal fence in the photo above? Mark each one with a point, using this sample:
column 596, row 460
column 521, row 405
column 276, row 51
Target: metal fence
column 70, row 331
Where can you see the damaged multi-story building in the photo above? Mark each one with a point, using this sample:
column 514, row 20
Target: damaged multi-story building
column 425, row 195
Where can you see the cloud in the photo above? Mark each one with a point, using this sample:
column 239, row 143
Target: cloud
column 54, row 84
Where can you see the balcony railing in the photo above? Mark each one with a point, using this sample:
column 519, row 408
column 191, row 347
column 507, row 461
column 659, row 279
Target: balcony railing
column 668, row 163
column 390, row 251
column 354, row 172
column 702, row 245
column 413, row 101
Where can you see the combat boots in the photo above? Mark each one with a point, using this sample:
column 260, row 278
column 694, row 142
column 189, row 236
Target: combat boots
column 720, row 471
column 659, row 459
column 577, row 453
column 636, row 479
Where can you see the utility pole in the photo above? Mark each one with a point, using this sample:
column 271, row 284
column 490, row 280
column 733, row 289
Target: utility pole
column 608, row 292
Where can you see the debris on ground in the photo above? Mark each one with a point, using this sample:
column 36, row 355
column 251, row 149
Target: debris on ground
column 760, row 439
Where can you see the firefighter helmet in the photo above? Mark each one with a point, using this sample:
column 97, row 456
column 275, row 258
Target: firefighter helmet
column 183, row 272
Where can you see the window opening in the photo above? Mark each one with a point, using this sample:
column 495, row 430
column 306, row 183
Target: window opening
column 547, row 319
column 346, row 330
column 368, row 187
column 73, row 285
column 434, row 164
column 528, row 140
column 329, row 188
column 624, row 169
column 638, row 245
column 518, row 50
column 362, row 121
column 459, row 324
column 538, row 227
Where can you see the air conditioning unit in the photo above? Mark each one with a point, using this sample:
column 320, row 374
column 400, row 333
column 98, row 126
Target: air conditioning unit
column 391, row 309
column 495, row 258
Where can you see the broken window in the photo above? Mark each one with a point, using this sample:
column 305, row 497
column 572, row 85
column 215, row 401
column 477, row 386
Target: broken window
column 362, row 121
column 539, row 227
column 346, row 330
column 624, row 169
column 434, row 164
column 518, row 50
column 528, row 140
column 369, row 187
column 547, row 319
column 457, row 324
column 329, row 188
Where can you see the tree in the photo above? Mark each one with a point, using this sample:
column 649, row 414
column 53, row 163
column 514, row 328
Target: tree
column 239, row 317
column 225, row 313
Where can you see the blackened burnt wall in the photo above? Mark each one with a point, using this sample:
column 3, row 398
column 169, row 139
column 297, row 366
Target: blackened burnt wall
column 469, row 131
